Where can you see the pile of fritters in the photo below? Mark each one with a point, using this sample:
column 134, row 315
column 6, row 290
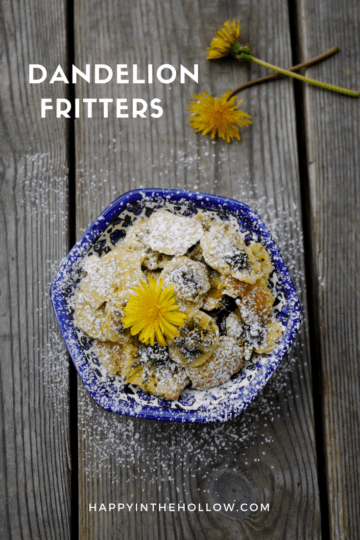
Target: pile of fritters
column 219, row 282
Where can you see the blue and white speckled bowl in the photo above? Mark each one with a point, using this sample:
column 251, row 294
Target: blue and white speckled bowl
column 215, row 405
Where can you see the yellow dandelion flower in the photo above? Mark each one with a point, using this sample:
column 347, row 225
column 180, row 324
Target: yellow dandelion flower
column 152, row 312
column 219, row 117
column 220, row 45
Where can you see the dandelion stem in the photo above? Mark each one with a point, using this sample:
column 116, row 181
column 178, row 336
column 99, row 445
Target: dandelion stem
column 326, row 86
column 309, row 63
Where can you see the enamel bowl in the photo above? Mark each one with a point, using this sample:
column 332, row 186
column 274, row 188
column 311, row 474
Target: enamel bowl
column 110, row 392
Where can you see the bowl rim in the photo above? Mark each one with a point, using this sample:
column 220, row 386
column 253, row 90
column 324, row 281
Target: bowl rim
column 222, row 411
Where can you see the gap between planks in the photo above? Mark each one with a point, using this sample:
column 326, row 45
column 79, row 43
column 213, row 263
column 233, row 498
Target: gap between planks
column 73, row 376
column 313, row 316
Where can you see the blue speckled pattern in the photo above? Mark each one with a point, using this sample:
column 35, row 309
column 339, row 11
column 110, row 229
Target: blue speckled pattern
column 229, row 400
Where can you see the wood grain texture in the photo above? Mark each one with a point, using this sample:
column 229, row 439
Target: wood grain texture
column 34, row 455
column 268, row 454
column 333, row 140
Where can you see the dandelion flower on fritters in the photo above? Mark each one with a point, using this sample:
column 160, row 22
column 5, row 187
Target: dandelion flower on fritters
column 151, row 311
column 220, row 45
column 219, row 117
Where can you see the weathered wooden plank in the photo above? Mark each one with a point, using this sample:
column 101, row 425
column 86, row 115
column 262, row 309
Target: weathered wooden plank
column 333, row 161
column 268, row 454
column 34, row 455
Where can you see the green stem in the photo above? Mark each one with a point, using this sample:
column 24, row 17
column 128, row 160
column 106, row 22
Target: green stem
column 327, row 86
column 268, row 78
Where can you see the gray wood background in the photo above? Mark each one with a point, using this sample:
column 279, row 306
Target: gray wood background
column 34, row 407
column 333, row 160
column 297, row 446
